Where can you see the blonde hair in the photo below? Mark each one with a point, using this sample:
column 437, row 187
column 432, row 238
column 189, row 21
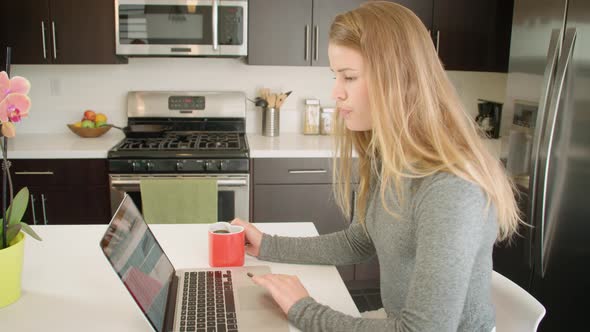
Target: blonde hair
column 419, row 125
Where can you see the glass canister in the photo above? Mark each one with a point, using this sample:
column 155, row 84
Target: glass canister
column 326, row 121
column 311, row 122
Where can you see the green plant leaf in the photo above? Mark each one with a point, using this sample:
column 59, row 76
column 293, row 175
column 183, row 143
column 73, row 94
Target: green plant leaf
column 18, row 206
column 12, row 231
column 27, row 229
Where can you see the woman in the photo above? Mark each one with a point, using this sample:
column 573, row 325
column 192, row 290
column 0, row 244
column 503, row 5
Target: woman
column 431, row 201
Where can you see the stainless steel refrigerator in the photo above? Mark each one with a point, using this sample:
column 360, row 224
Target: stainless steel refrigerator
column 546, row 148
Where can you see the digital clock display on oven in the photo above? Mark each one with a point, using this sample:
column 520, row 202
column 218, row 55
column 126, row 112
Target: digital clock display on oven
column 184, row 103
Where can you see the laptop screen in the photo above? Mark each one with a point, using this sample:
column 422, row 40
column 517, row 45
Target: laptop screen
column 138, row 259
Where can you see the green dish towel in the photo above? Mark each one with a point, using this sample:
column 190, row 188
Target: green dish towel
column 179, row 201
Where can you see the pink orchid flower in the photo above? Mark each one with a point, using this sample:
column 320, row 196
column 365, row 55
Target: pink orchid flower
column 14, row 107
column 16, row 84
column 14, row 103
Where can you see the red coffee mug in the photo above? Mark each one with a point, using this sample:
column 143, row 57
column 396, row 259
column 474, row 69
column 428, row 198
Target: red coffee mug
column 226, row 245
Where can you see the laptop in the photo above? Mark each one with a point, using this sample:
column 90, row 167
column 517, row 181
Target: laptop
column 208, row 299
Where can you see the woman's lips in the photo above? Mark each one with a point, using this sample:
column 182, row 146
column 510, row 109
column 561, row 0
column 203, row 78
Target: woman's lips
column 345, row 112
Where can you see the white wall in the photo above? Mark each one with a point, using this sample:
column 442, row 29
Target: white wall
column 60, row 93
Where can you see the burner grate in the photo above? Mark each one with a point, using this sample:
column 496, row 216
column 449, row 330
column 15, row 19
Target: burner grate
column 184, row 141
column 219, row 141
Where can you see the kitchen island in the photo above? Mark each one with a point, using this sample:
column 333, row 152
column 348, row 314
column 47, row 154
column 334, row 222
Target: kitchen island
column 68, row 285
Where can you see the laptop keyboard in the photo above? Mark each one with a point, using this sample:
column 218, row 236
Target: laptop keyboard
column 208, row 302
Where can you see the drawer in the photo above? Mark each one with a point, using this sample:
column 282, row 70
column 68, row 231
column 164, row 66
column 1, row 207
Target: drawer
column 37, row 172
column 292, row 170
column 42, row 172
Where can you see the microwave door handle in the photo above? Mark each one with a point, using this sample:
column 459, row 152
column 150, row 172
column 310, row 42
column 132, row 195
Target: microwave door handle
column 214, row 20
column 552, row 57
column 547, row 233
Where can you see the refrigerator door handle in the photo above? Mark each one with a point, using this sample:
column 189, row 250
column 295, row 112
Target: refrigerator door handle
column 562, row 67
column 552, row 56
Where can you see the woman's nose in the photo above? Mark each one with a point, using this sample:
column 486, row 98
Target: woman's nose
column 338, row 93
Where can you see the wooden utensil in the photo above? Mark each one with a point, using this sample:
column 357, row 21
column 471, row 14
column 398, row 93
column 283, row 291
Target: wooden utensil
column 264, row 92
column 272, row 99
column 282, row 98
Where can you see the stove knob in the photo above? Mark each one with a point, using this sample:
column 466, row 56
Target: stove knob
column 150, row 166
column 179, row 166
column 222, row 165
column 135, row 166
column 208, row 166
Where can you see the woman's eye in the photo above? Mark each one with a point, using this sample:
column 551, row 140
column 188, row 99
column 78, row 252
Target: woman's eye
column 350, row 78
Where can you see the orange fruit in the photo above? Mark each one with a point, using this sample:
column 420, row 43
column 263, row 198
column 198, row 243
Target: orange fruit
column 100, row 118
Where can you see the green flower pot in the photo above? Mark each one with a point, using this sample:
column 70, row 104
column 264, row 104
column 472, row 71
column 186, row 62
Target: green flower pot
column 11, row 266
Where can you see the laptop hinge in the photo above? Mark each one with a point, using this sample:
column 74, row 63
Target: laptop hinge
column 171, row 304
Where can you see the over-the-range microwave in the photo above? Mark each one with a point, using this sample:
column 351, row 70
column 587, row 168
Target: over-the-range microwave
column 181, row 27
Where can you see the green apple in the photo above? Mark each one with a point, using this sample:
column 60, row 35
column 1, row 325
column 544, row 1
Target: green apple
column 100, row 124
column 88, row 124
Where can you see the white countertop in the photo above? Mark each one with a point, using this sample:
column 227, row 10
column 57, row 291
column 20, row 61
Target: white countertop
column 69, row 146
column 290, row 145
column 67, row 284
column 65, row 145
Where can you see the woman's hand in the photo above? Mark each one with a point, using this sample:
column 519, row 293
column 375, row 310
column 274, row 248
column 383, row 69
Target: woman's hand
column 285, row 289
column 253, row 236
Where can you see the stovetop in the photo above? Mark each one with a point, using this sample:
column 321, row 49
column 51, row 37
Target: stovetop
column 194, row 132
column 187, row 144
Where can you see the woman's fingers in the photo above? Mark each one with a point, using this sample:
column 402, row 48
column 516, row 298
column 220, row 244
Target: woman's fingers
column 286, row 290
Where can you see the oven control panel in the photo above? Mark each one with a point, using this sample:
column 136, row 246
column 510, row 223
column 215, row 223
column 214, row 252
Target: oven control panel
column 144, row 166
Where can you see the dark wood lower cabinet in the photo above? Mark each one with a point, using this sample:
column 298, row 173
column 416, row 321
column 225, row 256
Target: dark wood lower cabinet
column 63, row 191
column 299, row 190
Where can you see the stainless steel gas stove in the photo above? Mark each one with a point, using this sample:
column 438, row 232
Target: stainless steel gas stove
column 184, row 135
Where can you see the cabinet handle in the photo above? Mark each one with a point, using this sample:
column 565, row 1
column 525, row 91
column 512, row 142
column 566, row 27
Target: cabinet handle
column 43, row 39
column 215, row 44
column 34, row 173
column 437, row 40
column 352, row 207
column 316, row 51
column 54, row 43
column 33, row 209
column 307, row 171
column 43, row 200
column 306, row 42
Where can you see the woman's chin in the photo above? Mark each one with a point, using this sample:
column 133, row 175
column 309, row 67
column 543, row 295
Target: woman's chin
column 355, row 126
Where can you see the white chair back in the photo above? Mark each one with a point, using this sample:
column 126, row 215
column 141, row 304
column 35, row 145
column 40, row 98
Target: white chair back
column 516, row 309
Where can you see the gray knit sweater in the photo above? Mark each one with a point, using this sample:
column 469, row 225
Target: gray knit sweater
column 435, row 259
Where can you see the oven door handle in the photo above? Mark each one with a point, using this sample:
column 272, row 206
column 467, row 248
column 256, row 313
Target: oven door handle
column 220, row 183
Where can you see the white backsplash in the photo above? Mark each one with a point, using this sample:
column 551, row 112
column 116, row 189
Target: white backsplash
column 60, row 93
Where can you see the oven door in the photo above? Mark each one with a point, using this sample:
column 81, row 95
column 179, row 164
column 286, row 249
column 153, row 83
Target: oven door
column 181, row 27
column 232, row 190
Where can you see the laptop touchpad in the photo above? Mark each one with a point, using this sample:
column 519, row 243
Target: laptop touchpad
column 257, row 305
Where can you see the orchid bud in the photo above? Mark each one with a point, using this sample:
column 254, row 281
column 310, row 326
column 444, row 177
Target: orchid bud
column 8, row 129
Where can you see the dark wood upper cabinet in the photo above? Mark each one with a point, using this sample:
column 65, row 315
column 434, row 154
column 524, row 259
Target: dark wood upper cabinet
column 279, row 32
column 24, row 27
column 473, row 35
column 469, row 35
column 292, row 33
column 324, row 12
column 422, row 9
column 58, row 31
